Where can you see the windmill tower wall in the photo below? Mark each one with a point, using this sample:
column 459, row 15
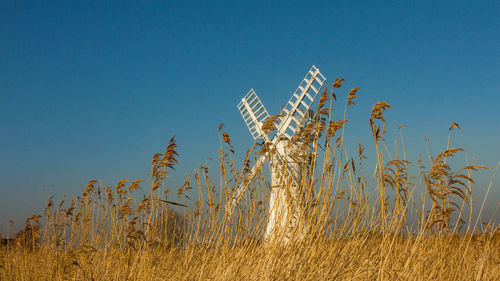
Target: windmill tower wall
column 284, row 209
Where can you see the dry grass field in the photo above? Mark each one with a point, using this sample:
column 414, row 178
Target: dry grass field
column 403, row 225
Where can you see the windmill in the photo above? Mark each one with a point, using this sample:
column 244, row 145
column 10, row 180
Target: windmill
column 284, row 168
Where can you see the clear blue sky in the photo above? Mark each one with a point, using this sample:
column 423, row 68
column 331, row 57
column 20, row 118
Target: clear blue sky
column 91, row 90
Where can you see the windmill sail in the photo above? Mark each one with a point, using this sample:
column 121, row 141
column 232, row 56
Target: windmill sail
column 295, row 111
column 254, row 113
column 297, row 107
column 244, row 185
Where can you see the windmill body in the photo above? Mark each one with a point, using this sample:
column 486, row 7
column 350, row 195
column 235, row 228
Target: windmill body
column 284, row 209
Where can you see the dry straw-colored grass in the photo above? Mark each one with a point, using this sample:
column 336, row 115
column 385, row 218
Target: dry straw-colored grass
column 401, row 226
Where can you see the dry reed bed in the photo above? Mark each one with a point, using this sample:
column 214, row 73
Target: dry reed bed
column 400, row 226
column 361, row 258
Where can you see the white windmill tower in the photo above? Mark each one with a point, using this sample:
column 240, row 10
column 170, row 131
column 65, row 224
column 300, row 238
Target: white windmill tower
column 282, row 212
